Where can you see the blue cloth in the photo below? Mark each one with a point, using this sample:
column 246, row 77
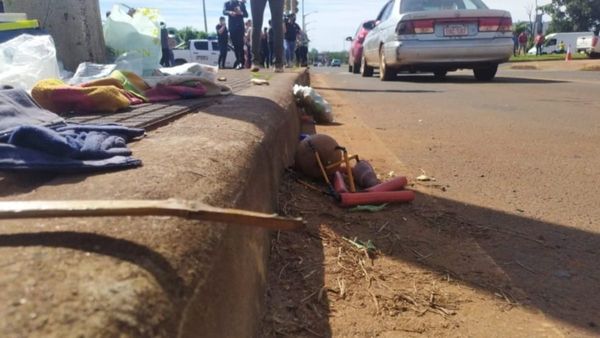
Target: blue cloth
column 17, row 108
column 32, row 138
column 68, row 148
column 22, row 159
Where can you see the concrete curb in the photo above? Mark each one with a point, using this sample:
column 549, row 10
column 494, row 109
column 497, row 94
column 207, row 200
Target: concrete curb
column 159, row 277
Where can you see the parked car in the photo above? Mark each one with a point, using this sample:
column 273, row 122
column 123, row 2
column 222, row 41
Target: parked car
column 552, row 42
column 438, row 36
column 356, row 46
column 589, row 45
column 335, row 63
column 202, row 51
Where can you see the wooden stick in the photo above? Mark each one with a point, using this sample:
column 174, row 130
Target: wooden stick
column 187, row 210
column 349, row 169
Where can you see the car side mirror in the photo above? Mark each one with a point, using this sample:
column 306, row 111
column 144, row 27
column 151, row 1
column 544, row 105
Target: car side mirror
column 349, row 39
column 369, row 25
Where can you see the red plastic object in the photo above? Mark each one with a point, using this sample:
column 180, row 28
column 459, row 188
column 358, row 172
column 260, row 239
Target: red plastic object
column 366, row 198
column 395, row 184
column 339, row 184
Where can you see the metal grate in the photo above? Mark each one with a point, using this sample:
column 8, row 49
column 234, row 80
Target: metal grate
column 152, row 115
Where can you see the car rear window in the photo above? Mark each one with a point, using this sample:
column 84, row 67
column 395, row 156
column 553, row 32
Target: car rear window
column 436, row 5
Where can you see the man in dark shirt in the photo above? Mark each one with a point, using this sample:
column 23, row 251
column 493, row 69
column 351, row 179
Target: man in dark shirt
column 223, row 38
column 271, row 39
column 258, row 9
column 291, row 34
column 236, row 11
column 165, row 61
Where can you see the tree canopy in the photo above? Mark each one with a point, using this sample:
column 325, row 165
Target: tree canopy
column 574, row 15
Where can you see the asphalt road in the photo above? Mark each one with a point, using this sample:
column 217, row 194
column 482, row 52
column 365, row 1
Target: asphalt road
column 519, row 155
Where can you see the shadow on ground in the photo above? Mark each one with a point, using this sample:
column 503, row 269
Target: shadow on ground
column 549, row 267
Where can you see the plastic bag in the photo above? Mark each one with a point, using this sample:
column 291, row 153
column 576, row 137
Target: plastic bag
column 207, row 72
column 313, row 103
column 138, row 33
column 88, row 71
column 27, row 59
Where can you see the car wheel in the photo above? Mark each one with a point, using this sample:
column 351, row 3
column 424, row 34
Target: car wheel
column 180, row 62
column 440, row 75
column 385, row 73
column 365, row 70
column 485, row 74
column 594, row 56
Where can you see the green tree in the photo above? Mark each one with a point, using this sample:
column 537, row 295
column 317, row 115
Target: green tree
column 574, row 15
column 190, row 33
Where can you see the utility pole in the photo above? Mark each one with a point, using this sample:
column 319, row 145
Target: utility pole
column 303, row 18
column 205, row 22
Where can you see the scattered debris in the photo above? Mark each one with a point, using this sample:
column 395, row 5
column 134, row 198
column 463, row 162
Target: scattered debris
column 369, row 208
column 260, row 82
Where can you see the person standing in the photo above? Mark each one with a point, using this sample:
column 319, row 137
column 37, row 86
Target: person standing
column 292, row 30
column 165, row 61
column 264, row 46
column 539, row 42
column 523, row 38
column 236, row 11
column 223, row 39
column 248, row 44
column 258, row 9
column 271, row 38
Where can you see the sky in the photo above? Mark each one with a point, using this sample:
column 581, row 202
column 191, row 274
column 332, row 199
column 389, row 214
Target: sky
column 328, row 24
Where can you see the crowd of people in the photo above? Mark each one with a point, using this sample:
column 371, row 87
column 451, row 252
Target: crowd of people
column 282, row 43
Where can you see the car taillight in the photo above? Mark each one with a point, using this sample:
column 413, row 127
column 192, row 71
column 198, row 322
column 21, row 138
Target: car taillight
column 495, row 25
column 415, row 27
column 594, row 41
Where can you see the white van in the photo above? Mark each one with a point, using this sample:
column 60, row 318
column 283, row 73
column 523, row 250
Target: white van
column 552, row 42
column 202, row 51
column 589, row 45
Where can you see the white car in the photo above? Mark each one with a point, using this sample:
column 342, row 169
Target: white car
column 202, row 51
column 438, row 36
column 589, row 45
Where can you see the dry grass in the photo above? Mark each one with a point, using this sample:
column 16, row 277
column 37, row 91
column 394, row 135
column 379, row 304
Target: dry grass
column 524, row 67
column 591, row 68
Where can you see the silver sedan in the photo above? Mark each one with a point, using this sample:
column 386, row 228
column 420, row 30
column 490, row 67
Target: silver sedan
column 438, row 36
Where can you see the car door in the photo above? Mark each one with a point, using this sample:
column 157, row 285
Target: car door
column 214, row 53
column 201, row 51
column 374, row 38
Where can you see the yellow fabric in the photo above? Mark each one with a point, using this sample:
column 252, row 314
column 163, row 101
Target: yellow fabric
column 106, row 96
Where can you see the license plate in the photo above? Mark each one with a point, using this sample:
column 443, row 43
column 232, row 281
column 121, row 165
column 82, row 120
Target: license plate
column 201, row 57
column 456, row 30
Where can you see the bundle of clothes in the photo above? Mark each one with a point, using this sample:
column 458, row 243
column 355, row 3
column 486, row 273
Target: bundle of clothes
column 120, row 90
column 35, row 139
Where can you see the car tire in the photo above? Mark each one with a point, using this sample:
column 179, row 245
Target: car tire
column 440, row 75
column 594, row 55
column 365, row 70
column 385, row 73
column 485, row 74
column 180, row 62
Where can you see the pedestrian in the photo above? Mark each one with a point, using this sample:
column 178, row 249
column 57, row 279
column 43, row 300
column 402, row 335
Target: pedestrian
column 291, row 34
column 515, row 44
column 539, row 43
column 248, row 44
column 302, row 50
column 265, row 51
column 562, row 48
column 236, row 11
column 523, row 38
column 165, row 61
column 223, row 39
column 276, row 23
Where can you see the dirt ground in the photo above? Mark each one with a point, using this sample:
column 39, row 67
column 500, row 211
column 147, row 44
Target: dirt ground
column 435, row 267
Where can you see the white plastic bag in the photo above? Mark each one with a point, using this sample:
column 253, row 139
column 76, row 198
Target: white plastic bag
column 313, row 103
column 27, row 59
column 88, row 71
column 196, row 69
column 138, row 33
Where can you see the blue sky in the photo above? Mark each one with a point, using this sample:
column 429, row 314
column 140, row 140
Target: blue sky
column 334, row 20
